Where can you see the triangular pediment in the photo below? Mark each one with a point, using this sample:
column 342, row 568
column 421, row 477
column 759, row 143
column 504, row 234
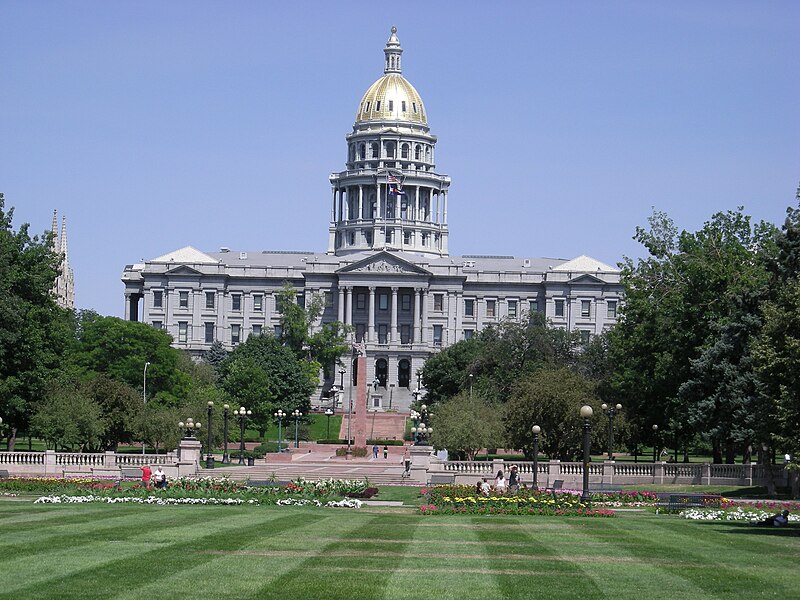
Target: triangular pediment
column 183, row 270
column 584, row 263
column 384, row 263
column 586, row 278
column 188, row 255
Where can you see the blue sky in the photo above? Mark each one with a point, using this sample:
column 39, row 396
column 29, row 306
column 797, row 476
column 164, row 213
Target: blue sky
column 154, row 125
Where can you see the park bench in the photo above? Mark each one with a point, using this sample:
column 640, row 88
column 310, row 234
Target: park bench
column 683, row 501
column 130, row 473
column 442, row 479
column 558, row 484
column 3, row 474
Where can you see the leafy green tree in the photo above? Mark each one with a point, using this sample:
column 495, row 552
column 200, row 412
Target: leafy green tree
column 551, row 398
column 120, row 405
column 465, row 424
column 34, row 332
column 215, row 356
column 68, row 417
column 264, row 375
column 157, row 426
column 446, row 373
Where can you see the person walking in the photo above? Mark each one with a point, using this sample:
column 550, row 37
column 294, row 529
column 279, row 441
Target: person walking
column 386, row 452
column 375, row 451
column 513, row 480
column 406, row 462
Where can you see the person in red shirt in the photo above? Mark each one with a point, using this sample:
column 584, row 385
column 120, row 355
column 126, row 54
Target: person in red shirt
column 146, row 474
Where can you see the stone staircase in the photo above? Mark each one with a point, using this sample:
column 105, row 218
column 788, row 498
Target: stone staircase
column 379, row 472
column 380, row 426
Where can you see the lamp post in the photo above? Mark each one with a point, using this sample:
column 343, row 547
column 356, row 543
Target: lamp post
column 611, row 412
column 329, row 414
column 420, row 430
column 391, row 393
column 655, row 443
column 586, row 413
column 189, row 428
column 225, row 458
column 209, row 456
column 243, row 414
column 280, row 416
column 536, row 431
column 144, row 393
column 471, row 377
column 341, row 385
column 296, row 414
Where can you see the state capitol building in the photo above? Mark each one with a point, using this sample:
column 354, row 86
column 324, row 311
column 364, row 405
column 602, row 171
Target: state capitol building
column 387, row 271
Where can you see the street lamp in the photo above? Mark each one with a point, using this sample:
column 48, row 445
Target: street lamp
column 296, row 414
column 144, row 393
column 279, row 415
column 209, row 456
column 329, row 413
column 471, row 377
column 586, row 413
column 420, row 430
column 189, row 428
column 655, row 443
column 225, row 458
column 536, row 431
column 611, row 412
column 243, row 414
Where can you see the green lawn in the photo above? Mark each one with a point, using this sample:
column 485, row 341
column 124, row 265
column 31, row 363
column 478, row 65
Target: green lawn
column 132, row 552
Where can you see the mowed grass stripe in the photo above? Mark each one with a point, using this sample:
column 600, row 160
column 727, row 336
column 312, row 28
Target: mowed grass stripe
column 100, row 569
column 312, row 576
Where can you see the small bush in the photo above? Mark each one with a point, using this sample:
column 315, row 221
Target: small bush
column 358, row 451
column 385, row 442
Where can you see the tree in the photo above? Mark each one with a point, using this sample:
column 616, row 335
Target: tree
column 215, row 356
column 264, row 375
column 551, row 398
column 465, row 424
column 34, row 332
column 120, row 405
column 68, row 417
column 446, row 373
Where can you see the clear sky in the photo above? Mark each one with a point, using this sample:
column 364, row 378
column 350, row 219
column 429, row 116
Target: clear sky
column 157, row 125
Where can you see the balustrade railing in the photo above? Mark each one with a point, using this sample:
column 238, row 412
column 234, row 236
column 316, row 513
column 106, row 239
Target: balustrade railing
column 21, row 458
column 634, row 469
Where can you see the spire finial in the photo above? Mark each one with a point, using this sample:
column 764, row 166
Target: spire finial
column 54, row 229
column 392, row 53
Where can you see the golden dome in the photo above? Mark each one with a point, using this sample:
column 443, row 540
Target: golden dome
column 392, row 98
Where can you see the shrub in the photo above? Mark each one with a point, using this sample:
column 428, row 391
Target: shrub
column 359, row 451
column 385, row 442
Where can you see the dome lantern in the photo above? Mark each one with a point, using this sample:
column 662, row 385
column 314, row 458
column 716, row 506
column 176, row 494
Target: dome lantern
column 392, row 53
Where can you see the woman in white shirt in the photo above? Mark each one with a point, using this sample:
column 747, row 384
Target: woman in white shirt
column 500, row 483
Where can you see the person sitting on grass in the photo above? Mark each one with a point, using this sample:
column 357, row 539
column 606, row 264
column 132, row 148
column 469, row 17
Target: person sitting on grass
column 500, row 483
column 779, row 520
column 485, row 487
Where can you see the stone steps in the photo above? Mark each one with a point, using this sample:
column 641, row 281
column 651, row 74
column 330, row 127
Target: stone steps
column 377, row 474
column 380, row 426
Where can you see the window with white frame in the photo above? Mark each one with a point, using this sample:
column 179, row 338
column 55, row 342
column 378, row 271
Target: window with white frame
column 183, row 299
column 586, row 308
column 236, row 302
column 533, row 306
column 437, row 335
column 559, row 308
column 491, row 308
column 209, row 332
column 158, row 299
column 158, row 324
column 210, row 299
column 469, row 307
column 438, row 302
column 611, row 309
column 277, row 331
column 512, row 309
column 183, row 332
column 361, row 301
column 405, row 302
column 468, row 333
column 236, row 334
column 256, row 329
column 383, row 301
column 258, row 303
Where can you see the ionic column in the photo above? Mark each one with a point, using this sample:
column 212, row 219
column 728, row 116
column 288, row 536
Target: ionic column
column 341, row 305
column 444, row 207
column 333, row 205
column 127, row 306
column 416, row 204
column 425, row 315
column 371, row 316
column 360, row 202
column 348, row 312
column 393, row 330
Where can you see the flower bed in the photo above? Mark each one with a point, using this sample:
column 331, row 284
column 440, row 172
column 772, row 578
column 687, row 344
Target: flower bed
column 164, row 501
column 455, row 499
column 740, row 513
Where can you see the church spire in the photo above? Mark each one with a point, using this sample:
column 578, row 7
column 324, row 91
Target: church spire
column 62, row 242
column 392, row 52
column 54, row 229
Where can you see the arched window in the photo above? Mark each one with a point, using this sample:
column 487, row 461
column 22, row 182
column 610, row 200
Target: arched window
column 403, row 374
column 374, row 149
column 390, row 149
column 427, row 153
column 417, row 152
column 352, row 152
column 381, row 371
column 404, row 151
column 362, row 151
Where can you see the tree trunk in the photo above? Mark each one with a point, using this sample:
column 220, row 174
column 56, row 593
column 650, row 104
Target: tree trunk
column 747, row 455
column 763, row 458
column 12, row 440
column 730, row 453
column 716, row 452
column 794, row 474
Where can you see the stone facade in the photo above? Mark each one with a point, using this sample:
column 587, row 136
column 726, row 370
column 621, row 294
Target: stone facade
column 387, row 271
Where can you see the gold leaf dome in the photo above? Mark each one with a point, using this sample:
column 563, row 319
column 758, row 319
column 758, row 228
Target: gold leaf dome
column 392, row 97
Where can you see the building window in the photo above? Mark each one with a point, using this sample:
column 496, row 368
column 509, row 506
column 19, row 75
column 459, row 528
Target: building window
column 183, row 332
column 158, row 324
column 236, row 302
column 469, row 308
column 383, row 301
column 406, row 237
column 512, row 309
column 491, row 308
column 236, row 334
column 209, row 327
column 278, row 331
column 586, row 335
column 328, row 299
column 183, row 299
column 405, row 302
column 377, row 105
column 611, row 309
column 360, row 331
column 361, row 301
column 586, row 308
column 256, row 329
column 382, row 333
column 158, row 299
column 559, row 308
column 414, row 106
column 210, row 299
column 405, row 334
column 437, row 335
column 533, row 306
column 403, row 106
column 391, row 105
column 468, row 333
column 258, row 303
column 438, row 302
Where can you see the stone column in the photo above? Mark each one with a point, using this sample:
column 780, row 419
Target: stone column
column 416, row 203
column 333, row 205
column 371, row 315
column 341, row 305
column 360, row 202
column 348, row 311
column 416, row 330
column 444, row 207
column 393, row 330
column 425, row 336
column 127, row 306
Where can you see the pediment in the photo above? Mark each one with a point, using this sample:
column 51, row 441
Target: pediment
column 384, row 263
column 183, row 270
column 586, row 279
column 187, row 254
